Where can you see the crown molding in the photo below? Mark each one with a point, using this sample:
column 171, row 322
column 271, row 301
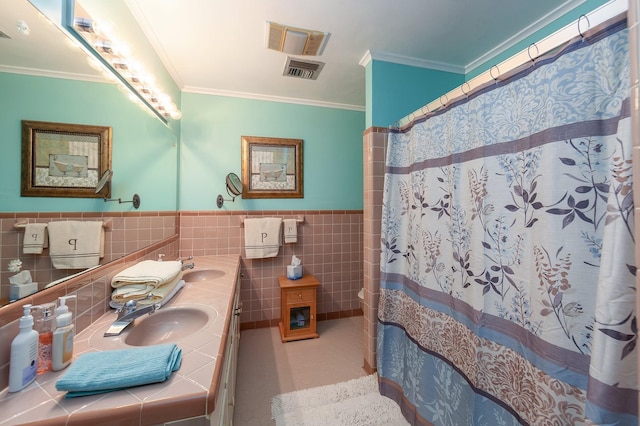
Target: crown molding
column 52, row 74
column 524, row 33
column 262, row 97
column 374, row 55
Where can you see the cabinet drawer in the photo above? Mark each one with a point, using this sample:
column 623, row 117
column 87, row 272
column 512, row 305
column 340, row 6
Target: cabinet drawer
column 301, row 295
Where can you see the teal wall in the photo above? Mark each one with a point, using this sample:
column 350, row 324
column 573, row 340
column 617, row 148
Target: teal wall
column 566, row 19
column 394, row 91
column 399, row 90
column 144, row 151
column 205, row 144
column 212, row 127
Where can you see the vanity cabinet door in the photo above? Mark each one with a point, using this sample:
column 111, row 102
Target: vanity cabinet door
column 225, row 401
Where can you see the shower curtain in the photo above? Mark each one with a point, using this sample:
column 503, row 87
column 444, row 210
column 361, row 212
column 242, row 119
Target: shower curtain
column 507, row 292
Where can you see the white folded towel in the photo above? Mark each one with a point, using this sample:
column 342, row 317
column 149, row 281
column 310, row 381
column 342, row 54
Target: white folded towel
column 151, row 273
column 290, row 230
column 35, row 238
column 125, row 293
column 262, row 237
column 154, row 298
column 75, row 244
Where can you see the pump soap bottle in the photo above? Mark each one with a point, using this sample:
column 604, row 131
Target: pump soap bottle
column 44, row 326
column 24, row 353
column 62, row 336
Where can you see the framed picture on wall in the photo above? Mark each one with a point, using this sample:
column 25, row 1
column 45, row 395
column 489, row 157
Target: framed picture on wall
column 64, row 160
column 272, row 168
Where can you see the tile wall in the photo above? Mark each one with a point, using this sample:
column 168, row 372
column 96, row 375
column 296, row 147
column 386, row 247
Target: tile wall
column 374, row 154
column 329, row 246
column 126, row 232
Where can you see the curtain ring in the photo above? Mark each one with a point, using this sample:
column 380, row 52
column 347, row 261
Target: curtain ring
column 529, row 52
column 422, row 110
column 491, row 73
column 588, row 25
column 466, row 94
column 412, row 117
column 444, row 104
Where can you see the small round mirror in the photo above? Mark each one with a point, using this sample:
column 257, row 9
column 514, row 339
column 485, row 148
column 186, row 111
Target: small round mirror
column 234, row 184
column 106, row 177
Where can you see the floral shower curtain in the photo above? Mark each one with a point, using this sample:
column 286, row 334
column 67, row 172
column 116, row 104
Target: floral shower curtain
column 507, row 265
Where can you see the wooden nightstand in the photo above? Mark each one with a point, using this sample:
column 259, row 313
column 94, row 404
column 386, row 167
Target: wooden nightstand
column 298, row 308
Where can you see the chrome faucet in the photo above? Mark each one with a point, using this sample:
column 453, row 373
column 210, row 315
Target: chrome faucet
column 188, row 266
column 127, row 315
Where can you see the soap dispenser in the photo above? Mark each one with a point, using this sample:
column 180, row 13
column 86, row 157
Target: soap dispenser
column 23, row 365
column 45, row 326
column 63, row 336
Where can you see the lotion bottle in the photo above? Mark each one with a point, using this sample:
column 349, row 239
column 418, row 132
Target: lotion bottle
column 23, row 365
column 62, row 336
column 45, row 326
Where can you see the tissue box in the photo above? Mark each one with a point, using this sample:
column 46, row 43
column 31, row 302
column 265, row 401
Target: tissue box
column 294, row 272
column 18, row 291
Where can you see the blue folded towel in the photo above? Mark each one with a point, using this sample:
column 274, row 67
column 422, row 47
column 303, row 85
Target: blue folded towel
column 100, row 372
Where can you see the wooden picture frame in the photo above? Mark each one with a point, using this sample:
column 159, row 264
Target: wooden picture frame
column 272, row 168
column 64, row 160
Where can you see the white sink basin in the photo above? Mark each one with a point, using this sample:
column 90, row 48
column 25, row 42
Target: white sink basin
column 168, row 325
column 204, row 275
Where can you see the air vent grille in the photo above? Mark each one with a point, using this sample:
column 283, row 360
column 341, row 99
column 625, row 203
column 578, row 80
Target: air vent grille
column 3, row 34
column 308, row 70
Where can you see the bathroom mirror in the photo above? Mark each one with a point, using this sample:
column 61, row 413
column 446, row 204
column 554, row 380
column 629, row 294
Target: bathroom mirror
column 104, row 180
column 234, row 185
column 234, row 188
column 47, row 49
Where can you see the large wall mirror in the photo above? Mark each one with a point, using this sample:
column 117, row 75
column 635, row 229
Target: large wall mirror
column 43, row 79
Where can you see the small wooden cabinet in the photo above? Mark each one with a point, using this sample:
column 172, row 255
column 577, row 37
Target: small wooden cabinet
column 298, row 308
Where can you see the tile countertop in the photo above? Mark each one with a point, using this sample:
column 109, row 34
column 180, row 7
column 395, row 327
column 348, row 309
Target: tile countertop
column 189, row 392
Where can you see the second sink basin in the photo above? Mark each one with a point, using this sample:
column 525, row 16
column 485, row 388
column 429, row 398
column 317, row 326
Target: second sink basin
column 167, row 325
column 203, row 275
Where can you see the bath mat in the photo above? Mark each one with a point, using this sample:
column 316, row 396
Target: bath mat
column 353, row 403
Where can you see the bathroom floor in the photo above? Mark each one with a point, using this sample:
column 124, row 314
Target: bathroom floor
column 267, row 367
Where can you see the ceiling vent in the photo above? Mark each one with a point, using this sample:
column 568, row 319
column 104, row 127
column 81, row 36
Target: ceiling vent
column 3, row 34
column 295, row 41
column 301, row 68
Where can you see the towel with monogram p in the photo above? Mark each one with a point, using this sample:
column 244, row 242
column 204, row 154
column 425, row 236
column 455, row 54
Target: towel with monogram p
column 35, row 238
column 75, row 244
column 262, row 237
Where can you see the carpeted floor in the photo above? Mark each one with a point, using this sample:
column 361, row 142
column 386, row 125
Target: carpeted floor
column 355, row 402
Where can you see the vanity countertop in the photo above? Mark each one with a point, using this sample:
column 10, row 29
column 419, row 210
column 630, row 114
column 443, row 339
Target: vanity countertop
column 189, row 392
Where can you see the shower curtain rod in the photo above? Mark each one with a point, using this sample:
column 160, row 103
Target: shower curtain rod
column 534, row 51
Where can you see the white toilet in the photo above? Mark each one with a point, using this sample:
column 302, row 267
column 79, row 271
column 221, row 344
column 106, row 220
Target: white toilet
column 361, row 296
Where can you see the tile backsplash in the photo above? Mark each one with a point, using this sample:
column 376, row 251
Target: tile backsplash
column 125, row 232
column 329, row 245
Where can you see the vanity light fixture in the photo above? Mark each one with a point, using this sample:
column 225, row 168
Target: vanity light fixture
column 115, row 59
column 234, row 188
column 102, row 183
